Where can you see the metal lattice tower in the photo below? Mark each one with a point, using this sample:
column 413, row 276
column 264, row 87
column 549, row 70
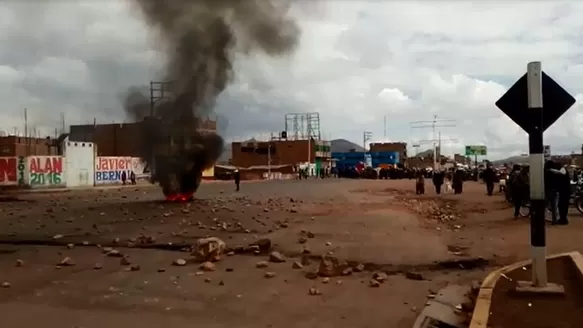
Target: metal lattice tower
column 159, row 91
column 302, row 126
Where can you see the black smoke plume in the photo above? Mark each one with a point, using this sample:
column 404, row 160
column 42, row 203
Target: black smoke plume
column 200, row 39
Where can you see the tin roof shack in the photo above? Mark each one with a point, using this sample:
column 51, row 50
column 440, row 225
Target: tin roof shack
column 398, row 147
column 23, row 146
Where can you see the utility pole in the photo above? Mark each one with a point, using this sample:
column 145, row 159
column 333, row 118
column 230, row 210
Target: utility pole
column 26, row 136
column 385, row 130
column 434, row 124
column 269, row 157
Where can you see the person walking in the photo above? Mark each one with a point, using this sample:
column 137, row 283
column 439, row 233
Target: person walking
column 124, row 177
column 237, row 178
column 489, row 176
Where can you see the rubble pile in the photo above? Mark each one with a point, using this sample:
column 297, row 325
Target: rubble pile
column 438, row 210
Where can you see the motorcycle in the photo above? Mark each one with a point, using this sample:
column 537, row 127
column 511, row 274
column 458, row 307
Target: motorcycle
column 577, row 195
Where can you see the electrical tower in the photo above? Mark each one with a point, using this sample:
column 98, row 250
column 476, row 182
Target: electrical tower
column 302, row 126
column 436, row 140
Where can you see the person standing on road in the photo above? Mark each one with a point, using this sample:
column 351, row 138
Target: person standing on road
column 551, row 181
column 489, row 175
column 438, row 177
column 420, row 184
column 124, row 177
column 237, row 178
column 133, row 178
column 518, row 187
column 458, row 181
column 563, row 188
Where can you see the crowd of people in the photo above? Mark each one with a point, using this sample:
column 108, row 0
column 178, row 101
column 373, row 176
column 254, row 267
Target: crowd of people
column 558, row 189
column 454, row 178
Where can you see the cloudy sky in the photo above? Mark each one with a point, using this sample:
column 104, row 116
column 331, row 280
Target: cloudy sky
column 358, row 62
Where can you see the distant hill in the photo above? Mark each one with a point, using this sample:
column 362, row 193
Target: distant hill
column 344, row 146
column 511, row 160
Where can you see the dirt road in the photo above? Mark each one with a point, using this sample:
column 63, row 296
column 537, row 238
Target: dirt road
column 377, row 226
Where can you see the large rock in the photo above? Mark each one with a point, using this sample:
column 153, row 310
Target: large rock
column 331, row 266
column 209, row 249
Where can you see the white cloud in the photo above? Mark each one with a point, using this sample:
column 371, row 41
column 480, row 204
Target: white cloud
column 358, row 61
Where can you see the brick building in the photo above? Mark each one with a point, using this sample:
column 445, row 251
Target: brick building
column 23, row 146
column 120, row 139
column 398, row 147
column 280, row 152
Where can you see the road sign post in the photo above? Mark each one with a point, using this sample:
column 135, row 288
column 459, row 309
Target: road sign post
column 535, row 102
column 536, row 161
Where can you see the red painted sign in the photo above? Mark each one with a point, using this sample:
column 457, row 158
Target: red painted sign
column 45, row 165
column 113, row 163
column 8, row 170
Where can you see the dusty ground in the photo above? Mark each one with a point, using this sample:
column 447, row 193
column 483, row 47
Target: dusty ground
column 378, row 224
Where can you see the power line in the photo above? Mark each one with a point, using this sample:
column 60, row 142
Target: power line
column 434, row 124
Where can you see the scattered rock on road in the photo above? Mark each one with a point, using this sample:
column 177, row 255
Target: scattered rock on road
column 269, row 274
column 262, row 245
column 208, row 266
column 314, row 291
column 297, row 265
column 125, row 261
column 380, row 276
column 67, row 261
column 19, row 263
column 6, row 284
column 209, row 249
column 98, row 266
column 261, row 264
column 374, row 283
column 113, row 253
column 331, row 266
column 276, row 257
column 414, row 275
column 179, row 262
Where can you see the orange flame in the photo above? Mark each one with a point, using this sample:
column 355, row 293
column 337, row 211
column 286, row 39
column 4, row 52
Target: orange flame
column 179, row 197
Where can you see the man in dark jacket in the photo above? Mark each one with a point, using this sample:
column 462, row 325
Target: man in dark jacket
column 438, row 181
column 237, row 178
column 489, row 176
column 551, row 193
column 562, row 186
column 458, row 181
column 518, row 187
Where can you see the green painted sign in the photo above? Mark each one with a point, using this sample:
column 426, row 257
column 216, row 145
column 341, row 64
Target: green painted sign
column 476, row 150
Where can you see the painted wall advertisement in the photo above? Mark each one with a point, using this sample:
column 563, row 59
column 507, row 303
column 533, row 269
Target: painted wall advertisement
column 12, row 171
column 110, row 169
column 45, row 171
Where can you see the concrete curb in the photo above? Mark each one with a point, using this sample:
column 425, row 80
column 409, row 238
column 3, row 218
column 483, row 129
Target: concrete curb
column 484, row 300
